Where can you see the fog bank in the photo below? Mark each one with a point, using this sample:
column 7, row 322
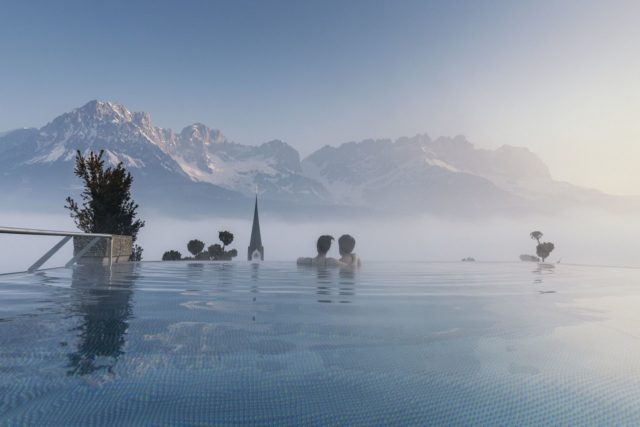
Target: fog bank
column 580, row 238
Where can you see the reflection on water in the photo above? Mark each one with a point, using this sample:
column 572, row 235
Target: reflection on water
column 104, row 310
column 334, row 284
column 347, row 284
column 199, row 343
column 539, row 273
column 324, row 280
column 226, row 271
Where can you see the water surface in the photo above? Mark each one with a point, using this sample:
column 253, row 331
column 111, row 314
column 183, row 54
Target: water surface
column 394, row 343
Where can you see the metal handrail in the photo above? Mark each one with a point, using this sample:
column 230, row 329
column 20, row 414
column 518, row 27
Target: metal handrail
column 66, row 236
column 35, row 232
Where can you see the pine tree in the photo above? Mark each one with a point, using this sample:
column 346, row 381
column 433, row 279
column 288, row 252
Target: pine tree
column 107, row 206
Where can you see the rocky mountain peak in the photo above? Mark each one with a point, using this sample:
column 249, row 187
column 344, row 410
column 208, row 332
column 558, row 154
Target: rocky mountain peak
column 520, row 162
column 285, row 156
column 198, row 133
column 421, row 138
column 142, row 119
column 91, row 120
column 104, row 111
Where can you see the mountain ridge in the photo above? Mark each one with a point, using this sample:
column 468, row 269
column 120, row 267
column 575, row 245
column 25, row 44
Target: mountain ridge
column 446, row 174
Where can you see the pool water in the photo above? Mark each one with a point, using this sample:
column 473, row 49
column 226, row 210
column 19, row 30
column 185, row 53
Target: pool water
column 179, row 344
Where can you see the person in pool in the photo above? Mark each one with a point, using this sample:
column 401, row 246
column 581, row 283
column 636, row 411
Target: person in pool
column 321, row 260
column 346, row 243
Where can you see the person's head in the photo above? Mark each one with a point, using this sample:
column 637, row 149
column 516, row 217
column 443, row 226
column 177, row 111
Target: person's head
column 324, row 244
column 346, row 244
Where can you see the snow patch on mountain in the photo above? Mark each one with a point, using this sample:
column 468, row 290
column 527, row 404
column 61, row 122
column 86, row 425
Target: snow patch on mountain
column 56, row 153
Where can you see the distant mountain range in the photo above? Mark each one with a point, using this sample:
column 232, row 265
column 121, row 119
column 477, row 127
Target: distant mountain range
column 199, row 171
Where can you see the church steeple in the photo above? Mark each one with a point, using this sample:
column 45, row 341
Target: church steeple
column 256, row 251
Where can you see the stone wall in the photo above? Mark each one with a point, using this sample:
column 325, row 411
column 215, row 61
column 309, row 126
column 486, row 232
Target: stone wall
column 99, row 253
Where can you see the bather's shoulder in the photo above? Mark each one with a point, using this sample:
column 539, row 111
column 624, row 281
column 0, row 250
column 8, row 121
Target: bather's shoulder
column 332, row 262
column 351, row 260
column 357, row 262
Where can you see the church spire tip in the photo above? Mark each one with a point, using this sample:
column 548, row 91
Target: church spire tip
column 256, row 250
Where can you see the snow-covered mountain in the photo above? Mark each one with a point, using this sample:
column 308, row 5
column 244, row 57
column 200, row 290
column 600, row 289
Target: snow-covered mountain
column 274, row 167
column 445, row 174
column 199, row 170
column 124, row 136
column 197, row 161
column 415, row 173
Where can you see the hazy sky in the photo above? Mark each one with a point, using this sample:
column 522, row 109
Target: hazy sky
column 560, row 77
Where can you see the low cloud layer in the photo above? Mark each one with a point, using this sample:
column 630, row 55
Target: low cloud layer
column 579, row 238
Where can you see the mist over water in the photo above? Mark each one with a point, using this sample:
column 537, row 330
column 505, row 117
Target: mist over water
column 584, row 238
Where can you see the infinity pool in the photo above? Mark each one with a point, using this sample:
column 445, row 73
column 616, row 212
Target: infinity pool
column 184, row 344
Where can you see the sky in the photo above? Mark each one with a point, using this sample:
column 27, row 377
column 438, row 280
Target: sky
column 559, row 77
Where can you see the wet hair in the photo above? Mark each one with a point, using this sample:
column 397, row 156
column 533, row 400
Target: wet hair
column 346, row 244
column 324, row 244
